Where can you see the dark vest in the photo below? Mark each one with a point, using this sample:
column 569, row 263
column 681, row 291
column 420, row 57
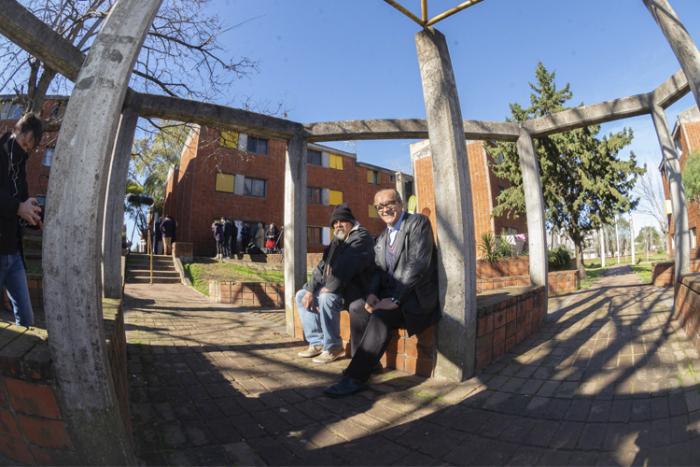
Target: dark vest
column 390, row 255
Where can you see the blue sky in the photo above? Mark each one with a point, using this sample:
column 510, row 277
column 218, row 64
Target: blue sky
column 353, row 59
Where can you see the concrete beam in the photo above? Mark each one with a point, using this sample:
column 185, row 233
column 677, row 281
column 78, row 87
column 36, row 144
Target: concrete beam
column 294, row 225
column 671, row 90
column 534, row 207
column 33, row 35
column 680, row 41
column 73, row 237
column 679, row 209
column 352, row 130
column 213, row 115
column 114, row 206
column 456, row 355
column 585, row 115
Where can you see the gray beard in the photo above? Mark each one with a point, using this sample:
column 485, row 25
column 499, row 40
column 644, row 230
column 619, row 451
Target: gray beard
column 340, row 235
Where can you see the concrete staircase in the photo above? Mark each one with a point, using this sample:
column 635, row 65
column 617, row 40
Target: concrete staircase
column 138, row 269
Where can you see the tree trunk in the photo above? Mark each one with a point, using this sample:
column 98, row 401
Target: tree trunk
column 580, row 271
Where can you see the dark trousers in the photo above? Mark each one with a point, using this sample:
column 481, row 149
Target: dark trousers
column 370, row 334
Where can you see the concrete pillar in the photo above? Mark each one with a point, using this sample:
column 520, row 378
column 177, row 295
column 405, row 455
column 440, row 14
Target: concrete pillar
column 456, row 356
column 617, row 241
column 682, row 44
column 678, row 204
column 601, row 236
column 534, row 206
column 114, row 206
column 294, row 225
column 73, row 237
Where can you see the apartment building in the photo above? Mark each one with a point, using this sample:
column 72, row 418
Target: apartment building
column 241, row 176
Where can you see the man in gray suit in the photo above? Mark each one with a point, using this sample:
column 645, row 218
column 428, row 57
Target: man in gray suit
column 403, row 292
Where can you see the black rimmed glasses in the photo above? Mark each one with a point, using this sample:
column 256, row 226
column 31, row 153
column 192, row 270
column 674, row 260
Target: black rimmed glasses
column 386, row 206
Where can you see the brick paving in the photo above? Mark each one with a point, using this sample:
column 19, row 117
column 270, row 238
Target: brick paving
column 610, row 380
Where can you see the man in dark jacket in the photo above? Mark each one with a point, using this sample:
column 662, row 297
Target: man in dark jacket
column 341, row 278
column 167, row 229
column 15, row 204
column 403, row 292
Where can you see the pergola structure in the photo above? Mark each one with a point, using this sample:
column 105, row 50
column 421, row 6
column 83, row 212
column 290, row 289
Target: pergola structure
column 84, row 209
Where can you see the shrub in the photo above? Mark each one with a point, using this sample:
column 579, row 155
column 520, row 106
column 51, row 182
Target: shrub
column 558, row 258
column 489, row 247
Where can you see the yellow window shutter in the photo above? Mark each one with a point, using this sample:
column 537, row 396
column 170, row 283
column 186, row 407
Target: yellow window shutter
column 229, row 139
column 335, row 198
column 372, row 212
column 224, row 182
column 336, row 162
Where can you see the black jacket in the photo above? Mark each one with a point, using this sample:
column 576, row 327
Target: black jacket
column 13, row 191
column 346, row 267
column 414, row 279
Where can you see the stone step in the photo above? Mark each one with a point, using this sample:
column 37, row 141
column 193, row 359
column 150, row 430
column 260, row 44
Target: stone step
column 156, row 272
column 144, row 279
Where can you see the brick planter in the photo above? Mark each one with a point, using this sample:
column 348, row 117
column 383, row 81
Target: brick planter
column 505, row 318
column 560, row 282
column 248, row 294
column 688, row 307
column 34, row 430
column 662, row 274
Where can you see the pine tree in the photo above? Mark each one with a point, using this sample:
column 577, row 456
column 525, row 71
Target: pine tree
column 584, row 182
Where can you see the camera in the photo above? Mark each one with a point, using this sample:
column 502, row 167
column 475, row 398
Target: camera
column 41, row 202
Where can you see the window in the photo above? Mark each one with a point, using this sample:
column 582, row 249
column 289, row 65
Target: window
column 314, row 195
column 335, row 197
column 257, row 145
column 313, row 235
column 314, row 157
column 48, row 157
column 224, row 183
column 254, row 187
column 372, row 212
column 392, row 178
column 372, row 177
column 10, row 111
column 229, row 139
column 335, row 161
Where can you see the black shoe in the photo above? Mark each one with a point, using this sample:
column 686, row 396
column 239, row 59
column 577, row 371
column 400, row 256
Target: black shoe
column 347, row 386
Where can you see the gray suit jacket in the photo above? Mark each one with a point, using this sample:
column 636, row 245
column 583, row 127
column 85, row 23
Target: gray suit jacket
column 413, row 281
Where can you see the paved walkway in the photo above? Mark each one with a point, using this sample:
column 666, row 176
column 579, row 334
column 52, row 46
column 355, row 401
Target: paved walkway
column 610, row 380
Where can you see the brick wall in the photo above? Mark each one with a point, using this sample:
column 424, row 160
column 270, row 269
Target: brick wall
column 688, row 307
column 504, row 320
column 662, row 273
column 192, row 195
column 248, row 294
column 485, row 186
column 33, row 429
column 687, row 137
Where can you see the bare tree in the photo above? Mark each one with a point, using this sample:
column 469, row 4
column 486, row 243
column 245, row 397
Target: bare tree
column 652, row 202
column 181, row 55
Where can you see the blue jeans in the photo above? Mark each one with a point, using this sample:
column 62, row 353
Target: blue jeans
column 321, row 326
column 14, row 278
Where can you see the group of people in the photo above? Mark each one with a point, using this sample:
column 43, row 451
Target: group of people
column 385, row 284
column 229, row 234
column 163, row 229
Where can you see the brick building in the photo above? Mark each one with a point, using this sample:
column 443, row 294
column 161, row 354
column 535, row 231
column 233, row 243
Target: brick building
column 484, row 184
column 40, row 160
column 241, row 176
column 686, row 137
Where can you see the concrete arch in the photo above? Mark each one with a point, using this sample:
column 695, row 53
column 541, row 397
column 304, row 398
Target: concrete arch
column 73, row 239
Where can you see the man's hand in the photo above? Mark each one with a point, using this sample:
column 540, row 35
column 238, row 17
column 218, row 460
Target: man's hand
column 371, row 302
column 307, row 300
column 30, row 211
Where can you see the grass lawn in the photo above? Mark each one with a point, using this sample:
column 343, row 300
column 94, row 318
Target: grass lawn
column 202, row 270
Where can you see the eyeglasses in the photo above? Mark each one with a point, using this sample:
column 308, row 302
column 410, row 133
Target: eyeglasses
column 384, row 206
